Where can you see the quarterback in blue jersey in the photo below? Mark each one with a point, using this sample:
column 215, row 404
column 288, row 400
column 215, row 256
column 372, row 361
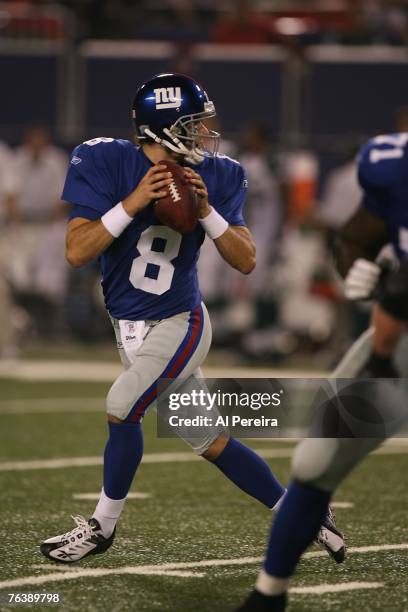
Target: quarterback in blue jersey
column 103, row 171
column 320, row 464
column 149, row 280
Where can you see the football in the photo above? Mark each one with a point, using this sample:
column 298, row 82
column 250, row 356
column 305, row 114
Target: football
column 178, row 209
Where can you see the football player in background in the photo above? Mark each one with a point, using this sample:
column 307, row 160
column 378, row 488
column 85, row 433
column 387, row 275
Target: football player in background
column 380, row 220
column 320, row 464
column 149, row 279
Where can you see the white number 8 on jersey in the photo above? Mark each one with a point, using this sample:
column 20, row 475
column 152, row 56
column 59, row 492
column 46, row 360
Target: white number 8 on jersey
column 161, row 260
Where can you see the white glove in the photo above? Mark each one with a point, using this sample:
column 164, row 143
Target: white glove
column 361, row 279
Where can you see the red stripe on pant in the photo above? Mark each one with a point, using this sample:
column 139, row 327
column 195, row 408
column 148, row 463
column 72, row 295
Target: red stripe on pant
column 175, row 369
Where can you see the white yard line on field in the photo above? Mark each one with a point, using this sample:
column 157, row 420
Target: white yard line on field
column 360, row 549
column 96, row 496
column 65, row 462
column 53, row 405
column 321, row 589
column 391, row 447
column 102, row 371
column 224, row 562
column 49, row 464
column 96, row 573
column 338, row 504
column 140, row 495
column 399, row 447
column 165, row 568
column 67, row 569
column 46, row 370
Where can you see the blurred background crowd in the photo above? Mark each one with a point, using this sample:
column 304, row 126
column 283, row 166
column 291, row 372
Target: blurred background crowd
column 299, row 86
column 219, row 21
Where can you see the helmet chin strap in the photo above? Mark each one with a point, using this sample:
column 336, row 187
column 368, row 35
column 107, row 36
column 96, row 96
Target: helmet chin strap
column 175, row 145
column 194, row 156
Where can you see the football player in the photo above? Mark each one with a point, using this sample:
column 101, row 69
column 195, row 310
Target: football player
column 349, row 426
column 149, row 279
column 380, row 220
column 319, row 465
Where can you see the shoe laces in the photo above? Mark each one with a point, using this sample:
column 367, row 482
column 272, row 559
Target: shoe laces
column 331, row 515
column 330, row 518
column 82, row 530
column 328, row 522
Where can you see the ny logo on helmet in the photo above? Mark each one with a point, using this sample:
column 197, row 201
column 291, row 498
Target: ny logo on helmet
column 168, row 97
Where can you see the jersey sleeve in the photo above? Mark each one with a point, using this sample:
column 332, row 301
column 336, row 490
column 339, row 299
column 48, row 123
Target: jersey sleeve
column 234, row 193
column 91, row 182
column 379, row 163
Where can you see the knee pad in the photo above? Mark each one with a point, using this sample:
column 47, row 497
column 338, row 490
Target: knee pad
column 313, row 460
column 345, row 429
column 200, row 445
column 325, row 462
column 123, row 394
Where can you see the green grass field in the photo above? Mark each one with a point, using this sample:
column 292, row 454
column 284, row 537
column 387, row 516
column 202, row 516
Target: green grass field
column 192, row 514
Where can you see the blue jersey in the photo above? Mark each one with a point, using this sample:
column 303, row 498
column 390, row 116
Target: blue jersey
column 383, row 174
column 150, row 271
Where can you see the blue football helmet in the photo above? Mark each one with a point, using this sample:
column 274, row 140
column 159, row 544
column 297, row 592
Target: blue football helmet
column 169, row 110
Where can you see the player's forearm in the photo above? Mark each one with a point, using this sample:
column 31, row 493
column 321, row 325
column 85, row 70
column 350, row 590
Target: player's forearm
column 362, row 236
column 237, row 248
column 346, row 254
column 86, row 240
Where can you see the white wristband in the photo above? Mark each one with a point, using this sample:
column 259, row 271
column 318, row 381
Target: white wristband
column 116, row 220
column 214, row 224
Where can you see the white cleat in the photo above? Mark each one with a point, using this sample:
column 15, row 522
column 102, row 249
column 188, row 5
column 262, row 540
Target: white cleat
column 85, row 539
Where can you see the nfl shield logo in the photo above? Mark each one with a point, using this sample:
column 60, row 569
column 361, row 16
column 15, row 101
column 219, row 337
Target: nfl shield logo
column 130, row 327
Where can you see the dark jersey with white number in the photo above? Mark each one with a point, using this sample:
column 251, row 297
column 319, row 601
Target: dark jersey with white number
column 149, row 272
column 383, row 174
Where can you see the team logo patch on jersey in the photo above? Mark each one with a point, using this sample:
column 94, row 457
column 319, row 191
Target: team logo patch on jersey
column 245, row 183
column 76, row 160
column 168, row 97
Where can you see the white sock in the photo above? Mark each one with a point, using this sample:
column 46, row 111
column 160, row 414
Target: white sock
column 269, row 585
column 107, row 513
column 276, row 507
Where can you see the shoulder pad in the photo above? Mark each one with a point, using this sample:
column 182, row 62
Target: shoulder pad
column 100, row 151
column 379, row 161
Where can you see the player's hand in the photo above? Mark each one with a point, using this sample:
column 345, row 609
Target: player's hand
column 361, row 279
column 200, row 188
column 152, row 187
